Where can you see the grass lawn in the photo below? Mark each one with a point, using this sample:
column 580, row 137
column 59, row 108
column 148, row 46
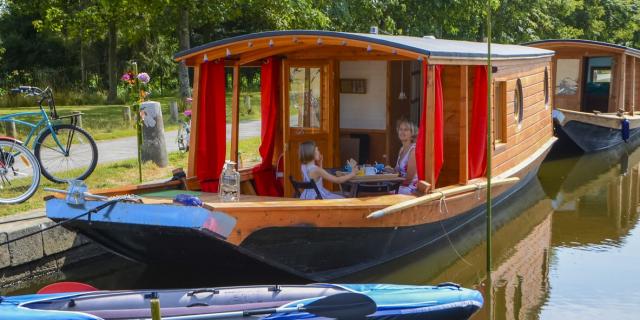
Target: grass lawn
column 106, row 122
column 105, row 176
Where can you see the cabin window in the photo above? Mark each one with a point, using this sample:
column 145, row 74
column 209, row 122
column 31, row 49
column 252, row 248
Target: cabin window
column 499, row 112
column 518, row 102
column 600, row 75
column 546, row 87
column 250, row 118
column 567, row 73
column 304, row 97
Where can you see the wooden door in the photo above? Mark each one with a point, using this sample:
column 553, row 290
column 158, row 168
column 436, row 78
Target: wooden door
column 306, row 116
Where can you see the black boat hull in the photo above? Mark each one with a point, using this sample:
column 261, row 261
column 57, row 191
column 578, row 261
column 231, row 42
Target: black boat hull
column 307, row 252
column 592, row 138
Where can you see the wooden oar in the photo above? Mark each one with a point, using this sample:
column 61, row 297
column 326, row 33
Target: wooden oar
column 438, row 195
column 338, row 306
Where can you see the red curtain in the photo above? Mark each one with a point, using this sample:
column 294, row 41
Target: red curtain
column 211, row 143
column 438, row 152
column 478, row 129
column 264, row 173
column 438, row 132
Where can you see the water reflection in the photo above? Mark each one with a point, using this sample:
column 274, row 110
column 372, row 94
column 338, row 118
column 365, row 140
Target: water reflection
column 521, row 243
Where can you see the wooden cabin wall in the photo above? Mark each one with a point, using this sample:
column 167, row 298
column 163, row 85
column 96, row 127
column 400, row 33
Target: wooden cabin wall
column 636, row 88
column 630, row 84
column 535, row 130
column 450, row 173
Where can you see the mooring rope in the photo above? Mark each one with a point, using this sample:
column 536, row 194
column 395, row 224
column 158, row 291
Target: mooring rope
column 92, row 211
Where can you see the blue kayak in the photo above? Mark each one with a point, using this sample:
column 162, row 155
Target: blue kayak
column 314, row 301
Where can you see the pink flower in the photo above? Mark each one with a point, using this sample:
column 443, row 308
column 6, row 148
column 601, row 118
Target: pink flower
column 144, row 77
column 188, row 100
column 125, row 77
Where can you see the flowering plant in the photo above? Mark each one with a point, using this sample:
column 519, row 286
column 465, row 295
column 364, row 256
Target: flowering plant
column 136, row 83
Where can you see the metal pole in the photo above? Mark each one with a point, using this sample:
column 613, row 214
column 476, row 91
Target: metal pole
column 154, row 303
column 489, row 291
column 138, row 121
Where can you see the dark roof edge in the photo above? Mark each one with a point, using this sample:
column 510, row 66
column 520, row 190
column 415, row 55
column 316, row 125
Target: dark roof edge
column 594, row 42
column 265, row 34
column 351, row 36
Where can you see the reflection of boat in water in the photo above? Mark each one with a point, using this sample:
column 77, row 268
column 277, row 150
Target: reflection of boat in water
column 596, row 198
column 522, row 238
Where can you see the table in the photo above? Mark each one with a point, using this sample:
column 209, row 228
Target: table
column 379, row 181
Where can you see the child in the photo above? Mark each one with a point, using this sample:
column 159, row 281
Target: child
column 311, row 160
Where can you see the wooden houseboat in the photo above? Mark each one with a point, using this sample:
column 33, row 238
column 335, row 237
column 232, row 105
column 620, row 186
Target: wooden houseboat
column 596, row 92
column 345, row 91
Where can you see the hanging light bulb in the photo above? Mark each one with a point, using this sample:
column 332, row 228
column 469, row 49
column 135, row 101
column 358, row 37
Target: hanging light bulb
column 402, row 95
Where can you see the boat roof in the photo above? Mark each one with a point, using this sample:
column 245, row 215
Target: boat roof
column 437, row 48
column 629, row 50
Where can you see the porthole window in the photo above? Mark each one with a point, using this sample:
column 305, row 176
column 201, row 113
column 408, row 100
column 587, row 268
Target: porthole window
column 518, row 102
column 546, row 88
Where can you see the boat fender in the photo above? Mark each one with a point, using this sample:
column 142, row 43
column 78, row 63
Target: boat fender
column 624, row 123
column 187, row 200
column 448, row 284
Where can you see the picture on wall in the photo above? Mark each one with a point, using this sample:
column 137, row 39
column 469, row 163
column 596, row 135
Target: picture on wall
column 353, row 86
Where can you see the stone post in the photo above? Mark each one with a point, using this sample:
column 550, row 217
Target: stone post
column 10, row 129
column 173, row 109
column 247, row 103
column 126, row 115
column 154, row 146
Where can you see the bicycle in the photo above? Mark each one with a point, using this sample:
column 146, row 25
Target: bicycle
column 184, row 133
column 19, row 172
column 53, row 144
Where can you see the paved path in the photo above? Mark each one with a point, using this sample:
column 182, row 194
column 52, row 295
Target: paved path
column 125, row 148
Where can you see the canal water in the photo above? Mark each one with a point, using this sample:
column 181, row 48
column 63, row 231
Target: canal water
column 567, row 246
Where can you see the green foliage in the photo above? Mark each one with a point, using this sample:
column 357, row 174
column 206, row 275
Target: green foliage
column 64, row 43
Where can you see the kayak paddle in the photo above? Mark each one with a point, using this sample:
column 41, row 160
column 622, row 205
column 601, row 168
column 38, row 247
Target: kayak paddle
column 338, row 306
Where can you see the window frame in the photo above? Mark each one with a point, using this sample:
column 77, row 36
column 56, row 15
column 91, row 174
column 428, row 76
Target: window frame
column 518, row 103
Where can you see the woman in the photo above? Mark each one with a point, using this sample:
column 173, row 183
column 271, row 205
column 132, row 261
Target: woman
column 406, row 164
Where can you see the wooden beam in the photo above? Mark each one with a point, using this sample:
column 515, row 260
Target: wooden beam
column 193, row 142
column 463, row 125
column 284, row 101
column 253, row 56
column 235, row 114
column 636, row 86
column 620, row 82
column 429, row 134
column 631, row 84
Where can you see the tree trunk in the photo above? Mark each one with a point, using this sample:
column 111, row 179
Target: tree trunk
column 183, row 42
column 111, row 68
column 83, row 74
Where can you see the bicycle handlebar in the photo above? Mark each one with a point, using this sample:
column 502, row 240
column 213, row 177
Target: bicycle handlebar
column 29, row 90
column 45, row 94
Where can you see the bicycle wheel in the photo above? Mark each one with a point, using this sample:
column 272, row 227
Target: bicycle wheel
column 77, row 158
column 19, row 172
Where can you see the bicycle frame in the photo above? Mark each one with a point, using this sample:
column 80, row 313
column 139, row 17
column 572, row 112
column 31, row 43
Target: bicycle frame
column 44, row 122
